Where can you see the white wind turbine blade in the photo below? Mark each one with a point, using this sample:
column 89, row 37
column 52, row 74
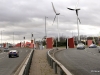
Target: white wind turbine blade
column 79, row 20
column 77, row 9
column 77, row 15
column 77, row 4
column 70, row 9
column 54, row 19
column 53, row 8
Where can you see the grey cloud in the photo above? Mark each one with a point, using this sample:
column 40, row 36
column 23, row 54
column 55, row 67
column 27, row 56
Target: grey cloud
column 24, row 17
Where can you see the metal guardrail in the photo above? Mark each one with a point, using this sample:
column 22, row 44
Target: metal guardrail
column 54, row 64
column 26, row 66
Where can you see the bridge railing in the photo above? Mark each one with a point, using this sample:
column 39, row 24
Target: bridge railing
column 55, row 64
column 25, row 67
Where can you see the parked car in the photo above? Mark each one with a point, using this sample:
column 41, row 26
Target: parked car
column 6, row 49
column 80, row 46
column 93, row 46
column 13, row 53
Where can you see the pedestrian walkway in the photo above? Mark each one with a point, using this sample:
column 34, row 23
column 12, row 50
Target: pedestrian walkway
column 40, row 64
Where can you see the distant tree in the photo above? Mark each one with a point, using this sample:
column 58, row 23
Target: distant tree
column 61, row 43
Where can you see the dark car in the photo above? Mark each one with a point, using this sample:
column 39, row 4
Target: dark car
column 13, row 53
column 80, row 46
column 93, row 46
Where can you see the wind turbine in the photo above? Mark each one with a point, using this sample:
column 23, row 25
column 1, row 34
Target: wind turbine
column 56, row 15
column 76, row 9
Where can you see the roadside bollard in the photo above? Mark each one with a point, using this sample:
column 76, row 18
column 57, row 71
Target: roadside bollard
column 47, row 58
column 55, row 67
column 51, row 63
column 61, row 72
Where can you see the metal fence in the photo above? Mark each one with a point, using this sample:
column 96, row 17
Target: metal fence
column 54, row 64
column 25, row 66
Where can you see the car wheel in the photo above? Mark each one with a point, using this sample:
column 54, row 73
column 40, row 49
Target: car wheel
column 9, row 56
column 17, row 55
column 99, row 51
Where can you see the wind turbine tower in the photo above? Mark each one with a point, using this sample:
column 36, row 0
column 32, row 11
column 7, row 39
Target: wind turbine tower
column 78, row 20
column 56, row 15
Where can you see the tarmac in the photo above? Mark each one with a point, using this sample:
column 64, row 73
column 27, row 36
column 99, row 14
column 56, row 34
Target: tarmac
column 39, row 65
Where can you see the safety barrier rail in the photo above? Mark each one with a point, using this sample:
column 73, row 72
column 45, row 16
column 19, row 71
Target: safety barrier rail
column 26, row 66
column 54, row 64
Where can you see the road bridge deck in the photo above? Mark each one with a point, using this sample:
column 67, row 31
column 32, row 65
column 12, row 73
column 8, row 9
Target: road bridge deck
column 40, row 64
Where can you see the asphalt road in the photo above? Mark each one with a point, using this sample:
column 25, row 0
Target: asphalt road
column 9, row 65
column 80, row 62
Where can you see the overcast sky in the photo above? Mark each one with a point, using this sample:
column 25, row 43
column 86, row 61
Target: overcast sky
column 23, row 17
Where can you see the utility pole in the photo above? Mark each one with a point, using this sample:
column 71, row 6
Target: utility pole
column 1, row 38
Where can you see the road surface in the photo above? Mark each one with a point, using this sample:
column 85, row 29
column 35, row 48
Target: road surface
column 9, row 65
column 80, row 62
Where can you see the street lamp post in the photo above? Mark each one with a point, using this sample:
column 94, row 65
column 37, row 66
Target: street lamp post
column 13, row 38
column 45, row 27
column 1, row 38
column 24, row 41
